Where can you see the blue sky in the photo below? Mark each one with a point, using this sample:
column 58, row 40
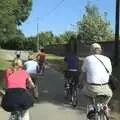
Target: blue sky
column 64, row 17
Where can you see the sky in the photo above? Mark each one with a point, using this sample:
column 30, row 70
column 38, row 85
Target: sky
column 59, row 16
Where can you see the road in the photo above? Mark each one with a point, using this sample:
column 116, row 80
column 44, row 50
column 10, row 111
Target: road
column 51, row 105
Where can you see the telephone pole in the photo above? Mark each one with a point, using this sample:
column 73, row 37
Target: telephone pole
column 37, row 41
column 116, row 45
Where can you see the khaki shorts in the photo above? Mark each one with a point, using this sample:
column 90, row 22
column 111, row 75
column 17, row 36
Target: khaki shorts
column 95, row 90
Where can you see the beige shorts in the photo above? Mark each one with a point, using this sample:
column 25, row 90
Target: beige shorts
column 94, row 90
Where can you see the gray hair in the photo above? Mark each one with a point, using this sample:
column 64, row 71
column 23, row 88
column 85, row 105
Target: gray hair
column 96, row 51
column 96, row 48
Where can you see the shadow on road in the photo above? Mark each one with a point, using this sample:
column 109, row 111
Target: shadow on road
column 51, row 89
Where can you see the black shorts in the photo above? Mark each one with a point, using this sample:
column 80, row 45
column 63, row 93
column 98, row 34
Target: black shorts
column 41, row 62
column 17, row 99
column 72, row 74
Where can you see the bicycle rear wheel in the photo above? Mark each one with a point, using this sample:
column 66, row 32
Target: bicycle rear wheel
column 17, row 115
column 74, row 97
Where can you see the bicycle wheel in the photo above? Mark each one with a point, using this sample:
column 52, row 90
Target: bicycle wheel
column 74, row 97
column 101, row 116
column 66, row 93
column 16, row 116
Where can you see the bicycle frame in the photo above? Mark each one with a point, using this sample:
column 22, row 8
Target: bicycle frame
column 71, row 91
column 99, row 111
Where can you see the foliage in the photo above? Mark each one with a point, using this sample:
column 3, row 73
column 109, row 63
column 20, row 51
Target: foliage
column 17, row 9
column 46, row 38
column 22, row 10
column 93, row 27
column 12, row 14
column 67, row 36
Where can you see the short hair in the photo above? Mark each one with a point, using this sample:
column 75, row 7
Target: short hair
column 42, row 49
column 96, row 48
column 18, row 55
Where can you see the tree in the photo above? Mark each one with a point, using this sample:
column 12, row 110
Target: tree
column 93, row 27
column 12, row 14
column 46, row 38
column 22, row 10
column 67, row 37
column 19, row 9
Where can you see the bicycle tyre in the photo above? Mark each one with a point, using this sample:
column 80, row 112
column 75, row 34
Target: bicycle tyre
column 74, row 97
column 16, row 116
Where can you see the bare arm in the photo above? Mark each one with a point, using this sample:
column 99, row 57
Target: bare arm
column 37, row 56
column 30, row 82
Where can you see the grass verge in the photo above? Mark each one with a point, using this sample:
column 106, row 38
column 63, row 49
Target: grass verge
column 3, row 65
column 57, row 61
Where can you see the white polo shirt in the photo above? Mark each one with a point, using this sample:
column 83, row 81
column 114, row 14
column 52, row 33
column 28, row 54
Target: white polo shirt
column 96, row 73
column 31, row 66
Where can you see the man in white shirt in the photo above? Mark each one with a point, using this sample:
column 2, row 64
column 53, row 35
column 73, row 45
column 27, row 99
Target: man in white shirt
column 97, row 77
column 31, row 67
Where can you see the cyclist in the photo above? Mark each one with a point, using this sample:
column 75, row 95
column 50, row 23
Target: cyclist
column 72, row 62
column 16, row 97
column 31, row 67
column 97, row 77
column 41, row 60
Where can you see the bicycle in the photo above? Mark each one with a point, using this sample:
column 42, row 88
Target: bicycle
column 74, row 97
column 99, row 111
column 41, row 68
column 71, row 90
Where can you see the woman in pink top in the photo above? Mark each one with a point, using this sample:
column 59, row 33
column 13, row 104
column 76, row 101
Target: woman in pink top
column 17, row 98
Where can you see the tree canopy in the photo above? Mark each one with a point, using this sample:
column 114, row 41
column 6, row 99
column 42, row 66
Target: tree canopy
column 12, row 14
column 93, row 27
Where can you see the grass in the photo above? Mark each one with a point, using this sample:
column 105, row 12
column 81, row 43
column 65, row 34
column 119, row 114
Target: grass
column 57, row 61
column 3, row 65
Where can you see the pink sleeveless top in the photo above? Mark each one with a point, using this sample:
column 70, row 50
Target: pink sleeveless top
column 16, row 79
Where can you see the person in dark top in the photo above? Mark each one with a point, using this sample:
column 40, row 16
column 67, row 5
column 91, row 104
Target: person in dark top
column 72, row 62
